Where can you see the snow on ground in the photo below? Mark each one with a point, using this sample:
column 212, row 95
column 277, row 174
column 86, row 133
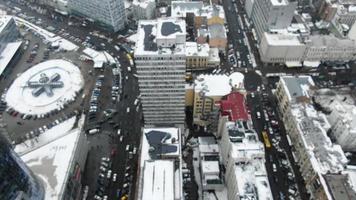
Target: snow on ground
column 99, row 58
column 51, row 162
column 45, row 138
column 133, row 38
column 48, row 36
column 20, row 97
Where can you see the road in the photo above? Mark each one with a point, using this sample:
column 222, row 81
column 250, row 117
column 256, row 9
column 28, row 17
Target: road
column 286, row 175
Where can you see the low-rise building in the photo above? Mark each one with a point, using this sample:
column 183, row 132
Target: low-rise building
column 201, row 56
column 209, row 154
column 209, row 89
column 144, row 9
column 160, row 168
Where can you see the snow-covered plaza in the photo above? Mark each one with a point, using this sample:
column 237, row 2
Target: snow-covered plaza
column 45, row 87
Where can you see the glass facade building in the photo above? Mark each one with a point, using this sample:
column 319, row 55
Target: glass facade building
column 17, row 182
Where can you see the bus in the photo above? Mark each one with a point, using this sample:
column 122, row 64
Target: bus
column 266, row 139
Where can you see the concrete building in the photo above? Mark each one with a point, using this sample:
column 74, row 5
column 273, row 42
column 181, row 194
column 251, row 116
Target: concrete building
column 58, row 158
column 60, row 6
column 244, row 159
column 320, row 161
column 161, row 65
column 341, row 113
column 8, row 29
column 160, row 168
column 209, row 154
column 282, row 48
column 201, row 56
column 9, row 44
column 211, row 88
column 109, row 13
column 346, row 15
column 144, row 9
column 271, row 14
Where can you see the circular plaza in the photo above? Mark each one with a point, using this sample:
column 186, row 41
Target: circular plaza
column 45, row 87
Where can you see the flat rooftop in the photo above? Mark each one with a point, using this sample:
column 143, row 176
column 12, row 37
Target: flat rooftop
column 252, row 181
column 193, row 49
column 51, row 159
column 181, row 8
column 158, row 180
column 297, row 86
column 218, row 84
column 162, row 29
column 280, row 39
column 325, row 156
column 165, row 142
column 142, row 3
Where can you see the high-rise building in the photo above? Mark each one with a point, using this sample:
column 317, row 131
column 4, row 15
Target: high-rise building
column 109, row 13
column 272, row 14
column 17, row 181
column 160, row 61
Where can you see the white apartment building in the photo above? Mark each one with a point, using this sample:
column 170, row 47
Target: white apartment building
column 144, row 9
column 271, row 14
column 161, row 62
column 244, row 158
column 160, row 168
column 109, row 13
column 321, row 162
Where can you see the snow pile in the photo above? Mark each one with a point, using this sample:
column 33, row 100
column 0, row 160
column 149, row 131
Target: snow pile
column 99, row 58
column 48, row 36
column 19, row 96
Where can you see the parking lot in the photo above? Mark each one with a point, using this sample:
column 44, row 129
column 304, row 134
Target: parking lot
column 34, row 51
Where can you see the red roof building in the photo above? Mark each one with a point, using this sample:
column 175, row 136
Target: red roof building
column 234, row 106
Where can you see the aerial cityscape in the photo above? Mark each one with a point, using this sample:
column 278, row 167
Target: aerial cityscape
column 177, row 100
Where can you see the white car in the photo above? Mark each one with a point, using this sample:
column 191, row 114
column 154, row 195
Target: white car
column 114, row 177
column 121, row 138
column 252, row 95
column 109, row 174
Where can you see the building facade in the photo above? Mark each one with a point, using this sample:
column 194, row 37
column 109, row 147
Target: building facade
column 144, row 9
column 8, row 30
column 17, row 181
column 161, row 65
column 109, row 13
column 271, row 14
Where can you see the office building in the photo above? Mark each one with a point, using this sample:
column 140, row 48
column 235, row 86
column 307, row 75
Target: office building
column 8, row 29
column 108, row 13
column 160, row 168
column 271, row 14
column 161, row 65
column 17, row 181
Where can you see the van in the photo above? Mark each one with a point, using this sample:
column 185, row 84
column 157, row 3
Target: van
column 128, row 109
column 258, row 115
column 93, row 131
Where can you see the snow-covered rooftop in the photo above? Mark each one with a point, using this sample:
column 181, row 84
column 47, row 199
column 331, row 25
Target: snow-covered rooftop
column 210, row 167
column 161, row 36
column 252, row 180
column 99, row 57
column 282, row 39
column 296, row 86
column 218, row 84
column 7, row 54
column 164, row 139
column 52, row 160
column 192, row 49
column 142, row 3
column 158, row 180
column 323, row 154
column 19, row 96
column 181, row 8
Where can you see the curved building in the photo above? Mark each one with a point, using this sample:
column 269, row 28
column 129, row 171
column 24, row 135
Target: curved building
column 17, row 181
